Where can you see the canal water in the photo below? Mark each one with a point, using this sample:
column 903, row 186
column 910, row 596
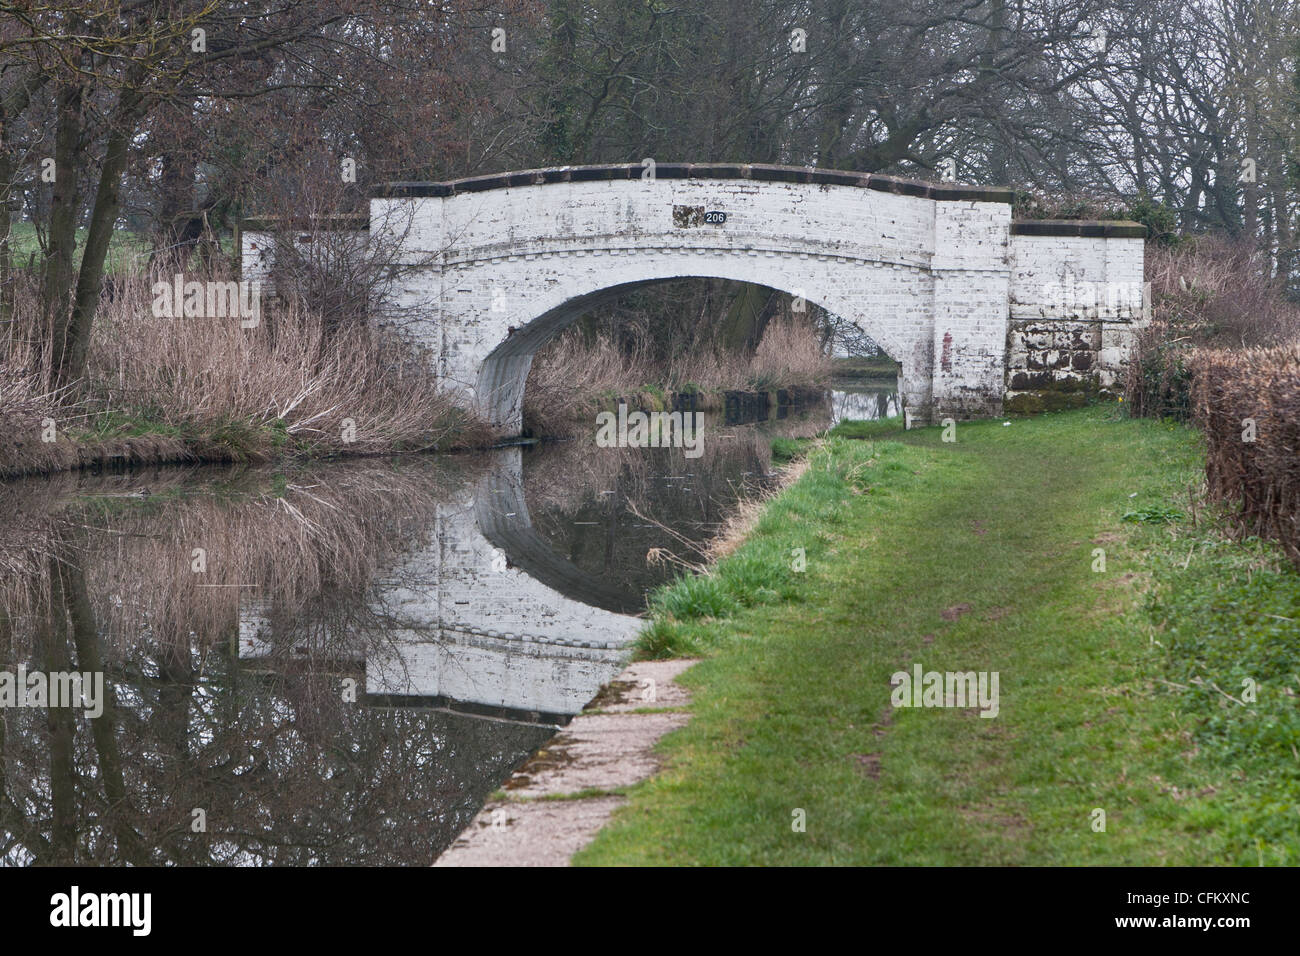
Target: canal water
column 335, row 663
column 864, row 402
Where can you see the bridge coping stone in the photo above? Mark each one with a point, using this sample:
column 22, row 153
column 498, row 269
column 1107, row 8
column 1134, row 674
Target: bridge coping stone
column 1083, row 228
column 755, row 171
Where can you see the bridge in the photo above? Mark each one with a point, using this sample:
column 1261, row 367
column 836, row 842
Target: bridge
column 977, row 309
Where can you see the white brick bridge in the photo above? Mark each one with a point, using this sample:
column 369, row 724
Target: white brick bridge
column 972, row 305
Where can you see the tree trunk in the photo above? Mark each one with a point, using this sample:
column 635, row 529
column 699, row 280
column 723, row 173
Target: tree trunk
column 90, row 280
column 62, row 729
column 103, row 729
column 57, row 291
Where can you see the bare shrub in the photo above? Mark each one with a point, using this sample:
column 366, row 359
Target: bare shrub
column 1210, row 293
column 1220, row 294
column 1247, row 402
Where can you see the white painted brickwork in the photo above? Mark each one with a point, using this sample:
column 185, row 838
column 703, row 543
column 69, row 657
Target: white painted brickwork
column 1075, row 303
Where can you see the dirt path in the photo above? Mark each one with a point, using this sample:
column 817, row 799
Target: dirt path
column 556, row 802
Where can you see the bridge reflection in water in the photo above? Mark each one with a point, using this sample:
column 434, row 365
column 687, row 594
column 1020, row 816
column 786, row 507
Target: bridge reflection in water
column 485, row 618
column 472, row 603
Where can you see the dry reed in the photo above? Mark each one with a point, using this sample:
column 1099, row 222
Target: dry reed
column 166, row 389
column 573, row 372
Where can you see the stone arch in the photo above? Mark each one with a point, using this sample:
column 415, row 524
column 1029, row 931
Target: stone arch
column 861, row 292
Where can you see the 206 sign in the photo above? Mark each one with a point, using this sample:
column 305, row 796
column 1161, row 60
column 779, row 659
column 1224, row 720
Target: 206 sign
column 715, row 217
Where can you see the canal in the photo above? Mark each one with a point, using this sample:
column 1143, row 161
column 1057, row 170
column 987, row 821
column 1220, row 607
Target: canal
column 334, row 663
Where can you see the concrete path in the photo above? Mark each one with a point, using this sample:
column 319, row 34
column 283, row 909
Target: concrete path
column 609, row 746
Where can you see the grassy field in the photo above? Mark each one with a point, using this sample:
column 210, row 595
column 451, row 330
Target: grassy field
column 1121, row 689
column 126, row 250
column 879, row 367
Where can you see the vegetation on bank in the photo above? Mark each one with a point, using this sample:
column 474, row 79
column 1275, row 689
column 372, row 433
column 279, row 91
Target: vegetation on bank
column 1222, row 352
column 313, row 377
column 163, row 389
column 983, row 555
column 1207, row 294
column 577, row 374
column 870, row 368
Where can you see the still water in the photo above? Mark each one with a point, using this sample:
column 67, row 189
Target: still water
column 328, row 664
column 864, row 402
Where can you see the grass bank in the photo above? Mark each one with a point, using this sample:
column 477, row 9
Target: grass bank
column 1121, row 689
column 127, row 251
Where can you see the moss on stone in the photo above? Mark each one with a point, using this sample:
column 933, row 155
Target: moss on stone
column 1026, row 403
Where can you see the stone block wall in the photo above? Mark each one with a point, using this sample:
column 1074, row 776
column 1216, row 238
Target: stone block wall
column 1077, row 297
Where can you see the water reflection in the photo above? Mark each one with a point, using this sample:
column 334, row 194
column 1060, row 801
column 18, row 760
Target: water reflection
column 485, row 616
column 865, row 402
column 327, row 665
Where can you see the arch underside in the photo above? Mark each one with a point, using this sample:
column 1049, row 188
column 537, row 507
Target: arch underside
column 870, row 303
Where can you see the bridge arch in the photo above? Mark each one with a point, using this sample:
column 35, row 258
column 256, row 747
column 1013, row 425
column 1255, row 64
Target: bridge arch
column 499, row 387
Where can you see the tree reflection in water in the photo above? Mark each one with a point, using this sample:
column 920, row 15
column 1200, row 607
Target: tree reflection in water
column 455, row 594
